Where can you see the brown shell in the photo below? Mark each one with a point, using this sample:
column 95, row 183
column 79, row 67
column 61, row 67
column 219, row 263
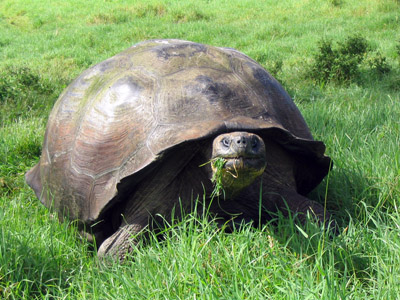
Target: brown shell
column 119, row 116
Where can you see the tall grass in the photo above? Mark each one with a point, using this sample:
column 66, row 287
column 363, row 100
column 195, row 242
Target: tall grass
column 45, row 44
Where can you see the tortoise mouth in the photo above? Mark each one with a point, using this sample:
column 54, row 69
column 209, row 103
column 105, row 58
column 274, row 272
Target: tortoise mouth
column 238, row 172
column 240, row 167
column 241, row 163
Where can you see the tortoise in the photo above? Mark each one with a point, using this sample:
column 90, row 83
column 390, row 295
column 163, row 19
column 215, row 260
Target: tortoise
column 130, row 139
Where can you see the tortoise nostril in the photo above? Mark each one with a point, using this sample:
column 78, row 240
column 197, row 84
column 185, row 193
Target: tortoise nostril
column 241, row 141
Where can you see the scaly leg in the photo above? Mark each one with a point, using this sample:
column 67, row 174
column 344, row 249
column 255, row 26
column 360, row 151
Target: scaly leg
column 300, row 205
column 120, row 243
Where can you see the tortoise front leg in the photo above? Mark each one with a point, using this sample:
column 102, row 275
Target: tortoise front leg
column 120, row 243
column 300, row 205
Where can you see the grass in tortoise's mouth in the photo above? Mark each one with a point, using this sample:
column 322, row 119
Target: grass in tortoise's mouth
column 218, row 165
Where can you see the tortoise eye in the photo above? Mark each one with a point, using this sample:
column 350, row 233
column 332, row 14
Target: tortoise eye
column 254, row 143
column 226, row 142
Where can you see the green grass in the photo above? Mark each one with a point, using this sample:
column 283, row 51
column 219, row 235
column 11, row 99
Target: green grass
column 45, row 44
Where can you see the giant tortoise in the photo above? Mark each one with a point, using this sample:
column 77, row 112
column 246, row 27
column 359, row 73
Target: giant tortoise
column 131, row 138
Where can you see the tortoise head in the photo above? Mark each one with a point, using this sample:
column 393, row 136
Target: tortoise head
column 244, row 159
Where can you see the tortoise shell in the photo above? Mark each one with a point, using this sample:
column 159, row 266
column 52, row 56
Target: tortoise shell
column 120, row 116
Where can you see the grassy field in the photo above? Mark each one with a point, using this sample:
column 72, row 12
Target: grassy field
column 45, row 44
